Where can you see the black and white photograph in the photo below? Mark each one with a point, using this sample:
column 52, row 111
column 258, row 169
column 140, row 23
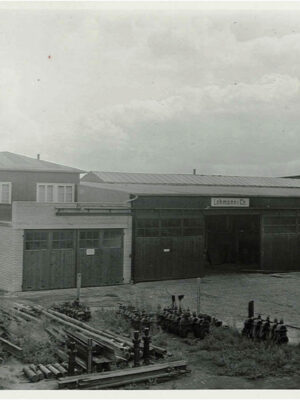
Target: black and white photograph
column 149, row 198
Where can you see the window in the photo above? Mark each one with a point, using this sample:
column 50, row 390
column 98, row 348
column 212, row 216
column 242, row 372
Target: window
column 112, row 238
column 280, row 224
column 89, row 239
column 36, row 240
column 62, row 240
column 5, row 192
column 55, row 192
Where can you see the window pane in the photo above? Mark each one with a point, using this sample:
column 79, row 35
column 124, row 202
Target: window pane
column 69, row 194
column 154, row 232
column 170, row 223
column 5, row 193
column 192, row 231
column 280, row 220
column 171, row 232
column 41, row 191
column 50, row 193
column 148, row 223
column 280, row 229
column 61, row 194
column 112, row 239
column 192, row 222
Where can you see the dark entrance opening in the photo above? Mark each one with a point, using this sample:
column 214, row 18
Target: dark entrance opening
column 233, row 240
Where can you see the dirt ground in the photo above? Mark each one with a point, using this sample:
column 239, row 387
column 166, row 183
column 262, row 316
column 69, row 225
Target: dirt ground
column 223, row 295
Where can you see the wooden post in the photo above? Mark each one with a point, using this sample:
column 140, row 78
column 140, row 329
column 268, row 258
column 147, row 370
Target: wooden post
column 89, row 355
column 146, row 348
column 72, row 355
column 78, row 287
column 198, row 295
column 251, row 309
column 136, row 349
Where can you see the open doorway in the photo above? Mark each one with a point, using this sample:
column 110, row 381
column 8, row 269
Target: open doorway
column 233, row 239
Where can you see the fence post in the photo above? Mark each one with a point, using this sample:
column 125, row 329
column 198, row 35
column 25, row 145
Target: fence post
column 198, row 295
column 251, row 309
column 78, row 287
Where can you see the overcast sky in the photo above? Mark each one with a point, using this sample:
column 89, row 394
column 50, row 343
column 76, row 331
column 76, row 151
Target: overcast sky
column 153, row 90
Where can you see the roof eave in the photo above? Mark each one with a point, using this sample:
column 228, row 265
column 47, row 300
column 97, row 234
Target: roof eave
column 42, row 170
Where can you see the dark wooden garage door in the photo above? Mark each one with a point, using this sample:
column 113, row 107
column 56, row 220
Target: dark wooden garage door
column 101, row 257
column 280, row 242
column 168, row 248
column 49, row 259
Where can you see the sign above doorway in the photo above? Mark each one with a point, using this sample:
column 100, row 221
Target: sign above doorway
column 229, row 202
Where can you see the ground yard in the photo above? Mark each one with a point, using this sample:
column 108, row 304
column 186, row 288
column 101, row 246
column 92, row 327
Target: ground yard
column 215, row 363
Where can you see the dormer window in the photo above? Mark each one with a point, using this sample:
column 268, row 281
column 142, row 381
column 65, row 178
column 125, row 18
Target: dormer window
column 5, row 192
column 55, row 193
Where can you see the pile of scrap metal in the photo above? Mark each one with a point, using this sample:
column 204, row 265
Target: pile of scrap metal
column 36, row 373
column 138, row 319
column 173, row 319
column 264, row 329
column 97, row 357
column 74, row 309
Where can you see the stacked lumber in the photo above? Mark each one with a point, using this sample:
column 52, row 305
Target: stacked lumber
column 124, row 377
column 112, row 342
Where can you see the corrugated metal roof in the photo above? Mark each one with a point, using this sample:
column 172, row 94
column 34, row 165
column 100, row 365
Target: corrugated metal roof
column 17, row 162
column 197, row 190
column 190, row 179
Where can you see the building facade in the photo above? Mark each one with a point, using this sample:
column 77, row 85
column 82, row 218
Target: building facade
column 115, row 228
column 47, row 237
column 186, row 225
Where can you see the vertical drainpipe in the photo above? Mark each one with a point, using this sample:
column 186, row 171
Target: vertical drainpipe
column 261, row 241
column 130, row 201
column 133, row 241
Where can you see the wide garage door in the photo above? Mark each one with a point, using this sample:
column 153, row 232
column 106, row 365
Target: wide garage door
column 53, row 258
column 168, row 248
column 49, row 259
column 101, row 257
column 280, row 242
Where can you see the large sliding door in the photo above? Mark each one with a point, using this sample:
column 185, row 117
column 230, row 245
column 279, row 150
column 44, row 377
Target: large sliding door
column 280, row 241
column 52, row 258
column 49, row 259
column 101, row 257
column 168, row 247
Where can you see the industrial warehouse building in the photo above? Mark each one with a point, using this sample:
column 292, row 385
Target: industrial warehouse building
column 116, row 228
column 185, row 224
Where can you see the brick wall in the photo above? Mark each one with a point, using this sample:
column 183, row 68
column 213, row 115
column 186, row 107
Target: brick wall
column 11, row 258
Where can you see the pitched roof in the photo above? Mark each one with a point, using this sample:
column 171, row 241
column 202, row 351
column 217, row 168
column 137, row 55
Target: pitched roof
column 189, row 179
column 17, row 162
column 196, row 190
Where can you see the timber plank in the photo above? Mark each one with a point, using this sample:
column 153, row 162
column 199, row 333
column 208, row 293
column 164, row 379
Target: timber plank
column 128, row 372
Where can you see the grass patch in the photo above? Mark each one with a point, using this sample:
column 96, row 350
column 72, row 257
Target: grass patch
column 110, row 320
column 235, row 355
column 223, row 352
column 32, row 338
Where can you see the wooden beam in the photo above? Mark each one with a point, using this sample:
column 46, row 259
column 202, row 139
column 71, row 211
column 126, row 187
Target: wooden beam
column 118, row 375
column 11, row 348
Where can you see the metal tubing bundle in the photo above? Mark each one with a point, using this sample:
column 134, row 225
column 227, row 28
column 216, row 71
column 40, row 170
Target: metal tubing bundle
column 264, row 329
column 74, row 309
column 173, row 319
column 139, row 319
